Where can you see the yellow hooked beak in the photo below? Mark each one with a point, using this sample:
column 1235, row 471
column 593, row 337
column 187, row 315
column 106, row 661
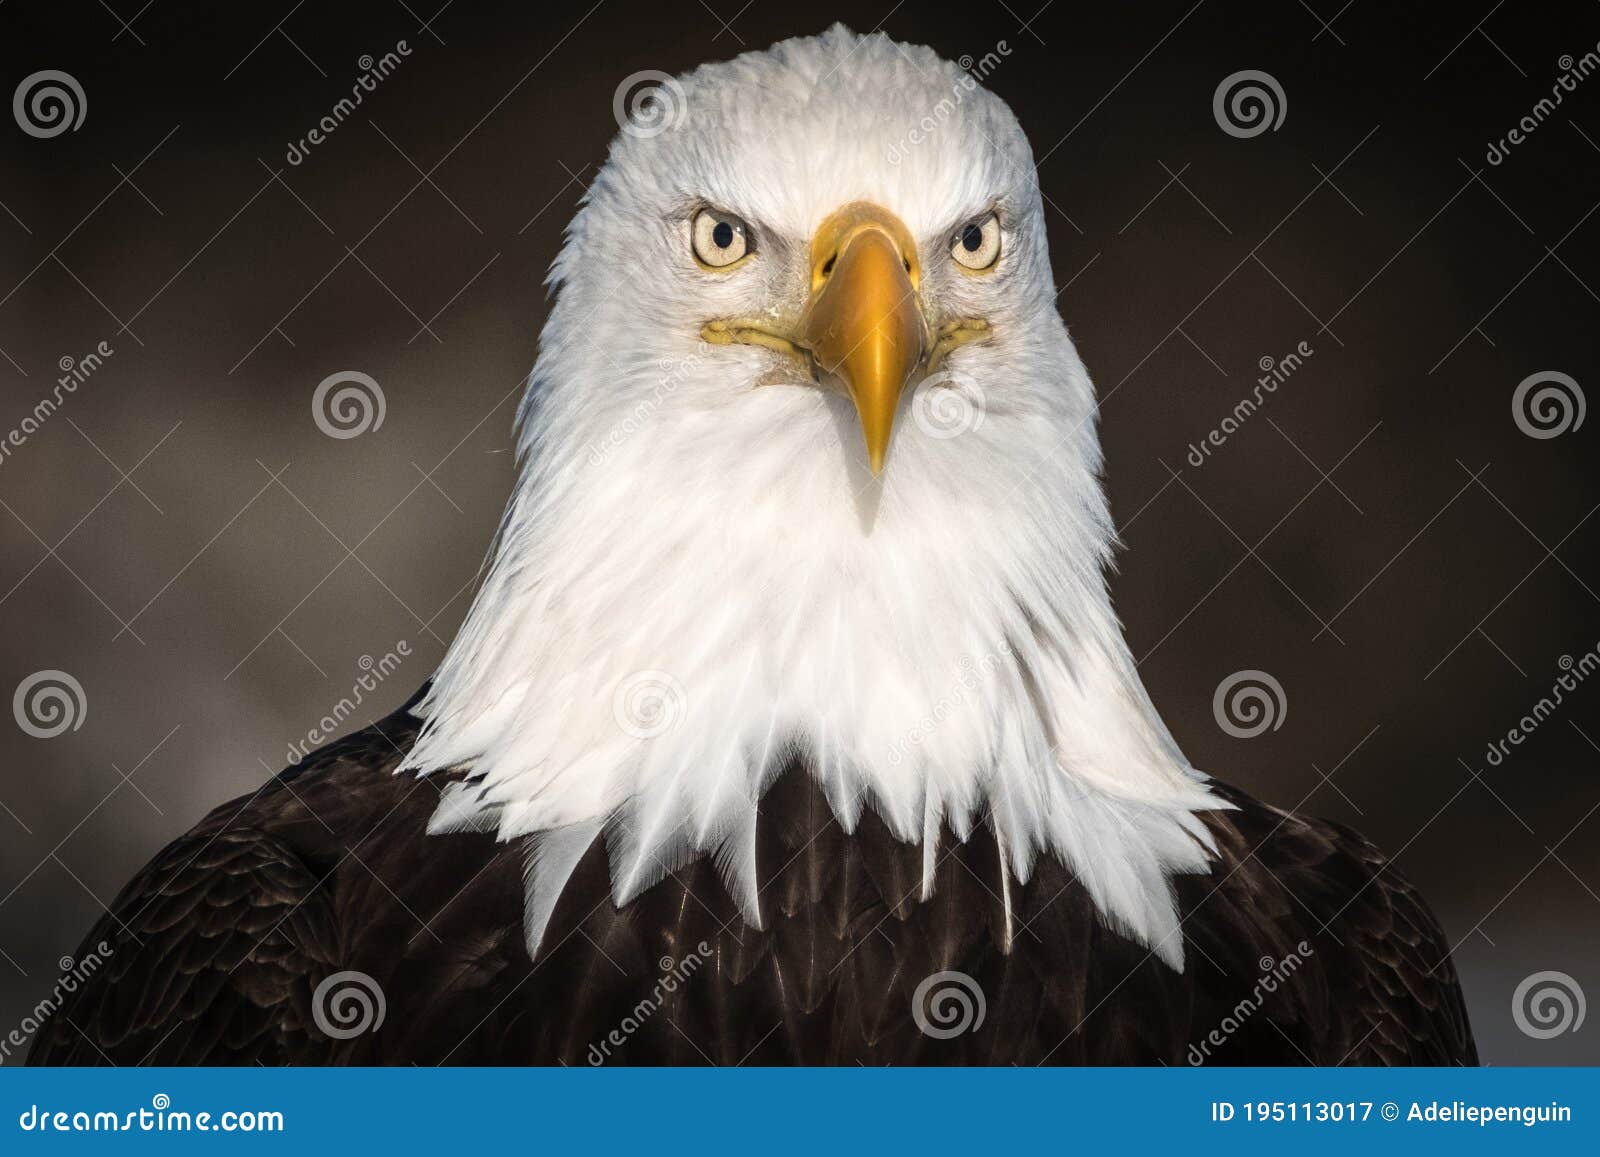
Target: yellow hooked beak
column 864, row 321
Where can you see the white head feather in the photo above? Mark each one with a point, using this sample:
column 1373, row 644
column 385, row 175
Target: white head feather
column 699, row 576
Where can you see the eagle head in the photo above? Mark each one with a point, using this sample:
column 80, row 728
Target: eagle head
column 809, row 472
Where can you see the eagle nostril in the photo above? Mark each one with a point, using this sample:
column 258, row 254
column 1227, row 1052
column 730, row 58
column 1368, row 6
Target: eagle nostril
column 827, row 268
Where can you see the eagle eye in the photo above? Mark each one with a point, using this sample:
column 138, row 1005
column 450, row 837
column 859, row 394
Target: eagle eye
column 720, row 240
column 976, row 245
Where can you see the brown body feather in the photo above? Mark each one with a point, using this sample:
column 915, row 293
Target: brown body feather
column 220, row 943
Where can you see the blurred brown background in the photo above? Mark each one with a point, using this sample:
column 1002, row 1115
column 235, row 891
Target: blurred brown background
column 1381, row 537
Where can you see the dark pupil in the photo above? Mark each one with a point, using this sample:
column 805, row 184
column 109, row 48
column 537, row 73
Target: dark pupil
column 972, row 238
column 722, row 235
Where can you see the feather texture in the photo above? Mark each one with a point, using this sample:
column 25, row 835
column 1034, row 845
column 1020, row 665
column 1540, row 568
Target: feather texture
column 220, row 946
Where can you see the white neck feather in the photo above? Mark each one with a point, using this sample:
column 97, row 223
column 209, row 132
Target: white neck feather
column 646, row 653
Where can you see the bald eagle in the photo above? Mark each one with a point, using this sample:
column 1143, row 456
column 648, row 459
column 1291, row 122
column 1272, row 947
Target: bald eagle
column 792, row 721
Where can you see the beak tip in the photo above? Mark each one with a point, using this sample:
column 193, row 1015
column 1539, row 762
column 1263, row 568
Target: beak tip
column 877, row 446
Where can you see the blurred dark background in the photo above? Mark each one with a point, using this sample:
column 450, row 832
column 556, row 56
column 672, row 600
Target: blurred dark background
column 1382, row 536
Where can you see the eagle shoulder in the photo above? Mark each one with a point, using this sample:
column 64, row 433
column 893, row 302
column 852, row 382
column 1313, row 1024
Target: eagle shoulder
column 208, row 952
column 213, row 951
column 1378, row 985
